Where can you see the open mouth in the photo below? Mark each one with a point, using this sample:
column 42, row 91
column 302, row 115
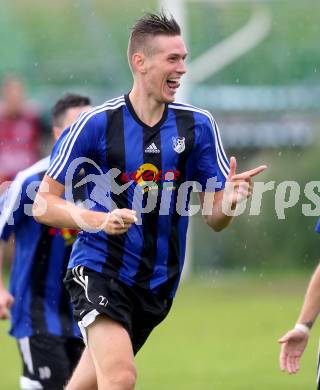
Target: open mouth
column 173, row 84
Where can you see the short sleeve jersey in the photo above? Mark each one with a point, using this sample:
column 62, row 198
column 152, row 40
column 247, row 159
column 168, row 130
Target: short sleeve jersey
column 129, row 164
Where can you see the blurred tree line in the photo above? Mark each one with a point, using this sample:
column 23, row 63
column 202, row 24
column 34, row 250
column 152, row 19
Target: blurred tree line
column 84, row 42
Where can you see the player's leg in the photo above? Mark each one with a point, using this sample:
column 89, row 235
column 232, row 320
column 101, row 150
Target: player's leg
column 111, row 350
column 103, row 308
column 112, row 353
column 45, row 365
column 84, row 375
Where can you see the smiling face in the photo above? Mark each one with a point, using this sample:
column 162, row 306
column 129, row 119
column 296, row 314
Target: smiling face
column 160, row 66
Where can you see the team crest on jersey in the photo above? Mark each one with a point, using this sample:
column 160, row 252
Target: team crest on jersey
column 178, row 144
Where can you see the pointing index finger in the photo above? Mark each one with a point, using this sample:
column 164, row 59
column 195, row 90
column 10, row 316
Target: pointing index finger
column 251, row 173
column 233, row 166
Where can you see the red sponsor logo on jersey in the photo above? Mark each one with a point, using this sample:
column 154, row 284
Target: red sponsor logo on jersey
column 149, row 173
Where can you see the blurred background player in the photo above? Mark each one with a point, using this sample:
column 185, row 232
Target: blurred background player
column 41, row 314
column 20, row 129
column 294, row 342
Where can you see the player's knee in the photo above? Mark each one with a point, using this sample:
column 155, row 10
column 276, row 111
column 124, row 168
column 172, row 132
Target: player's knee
column 122, row 377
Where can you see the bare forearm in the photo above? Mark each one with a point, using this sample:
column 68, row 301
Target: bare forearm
column 218, row 220
column 212, row 210
column 54, row 211
column 311, row 305
column 51, row 209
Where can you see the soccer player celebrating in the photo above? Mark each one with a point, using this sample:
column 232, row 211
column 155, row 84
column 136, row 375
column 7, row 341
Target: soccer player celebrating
column 126, row 264
column 41, row 313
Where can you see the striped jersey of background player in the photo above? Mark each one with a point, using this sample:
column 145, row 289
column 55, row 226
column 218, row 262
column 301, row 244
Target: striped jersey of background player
column 41, row 313
column 123, row 278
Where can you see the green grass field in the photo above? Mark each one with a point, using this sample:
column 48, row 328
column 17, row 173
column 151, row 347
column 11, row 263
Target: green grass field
column 221, row 334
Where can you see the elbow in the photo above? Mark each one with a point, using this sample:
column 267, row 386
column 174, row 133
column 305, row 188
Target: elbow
column 39, row 210
column 36, row 214
column 37, row 218
column 218, row 229
column 217, row 226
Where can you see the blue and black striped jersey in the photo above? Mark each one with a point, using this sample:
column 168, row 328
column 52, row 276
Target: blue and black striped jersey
column 159, row 163
column 41, row 302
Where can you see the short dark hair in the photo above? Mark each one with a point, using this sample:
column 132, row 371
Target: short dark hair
column 64, row 103
column 151, row 25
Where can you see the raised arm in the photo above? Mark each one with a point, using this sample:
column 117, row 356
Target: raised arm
column 294, row 342
column 238, row 188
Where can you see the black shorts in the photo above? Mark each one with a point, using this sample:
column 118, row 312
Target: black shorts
column 48, row 361
column 93, row 293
